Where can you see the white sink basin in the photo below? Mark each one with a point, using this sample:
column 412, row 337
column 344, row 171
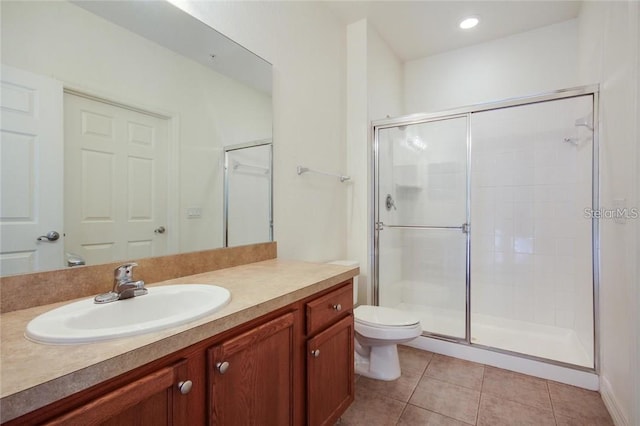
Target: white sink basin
column 162, row 307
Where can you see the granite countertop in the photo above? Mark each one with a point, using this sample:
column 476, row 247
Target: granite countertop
column 34, row 375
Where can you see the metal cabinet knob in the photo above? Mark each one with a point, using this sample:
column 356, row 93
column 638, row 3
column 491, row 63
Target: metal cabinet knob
column 222, row 367
column 337, row 307
column 315, row 353
column 185, row 386
column 160, row 230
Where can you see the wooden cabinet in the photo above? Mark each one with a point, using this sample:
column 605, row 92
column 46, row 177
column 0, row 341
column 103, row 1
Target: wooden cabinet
column 330, row 386
column 251, row 376
column 293, row 366
column 156, row 399
column 330, row 375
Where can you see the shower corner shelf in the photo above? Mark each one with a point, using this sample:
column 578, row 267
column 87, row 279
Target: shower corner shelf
column 407, row 187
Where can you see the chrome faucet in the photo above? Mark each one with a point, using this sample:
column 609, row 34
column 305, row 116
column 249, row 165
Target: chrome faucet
column 124, row 287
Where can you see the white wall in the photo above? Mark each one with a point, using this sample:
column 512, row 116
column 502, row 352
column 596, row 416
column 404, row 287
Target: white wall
column 87, row 53
column 307, row 47
column 635, row 319
column 609, row 34
column 375, row 76
column 524, row 64
column 385, row 78
column 358, row 205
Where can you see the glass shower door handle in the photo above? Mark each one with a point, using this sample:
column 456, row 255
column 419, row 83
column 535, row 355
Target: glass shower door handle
column 464, row 227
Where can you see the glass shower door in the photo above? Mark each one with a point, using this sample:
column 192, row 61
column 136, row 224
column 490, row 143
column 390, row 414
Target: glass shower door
column 247, row 194
column 532, row 236
column 420, row 222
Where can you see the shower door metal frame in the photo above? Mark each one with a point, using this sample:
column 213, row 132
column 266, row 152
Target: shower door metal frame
column 467, row 111
column 225, row 184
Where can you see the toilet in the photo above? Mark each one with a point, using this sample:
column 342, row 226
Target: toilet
column 378, row 331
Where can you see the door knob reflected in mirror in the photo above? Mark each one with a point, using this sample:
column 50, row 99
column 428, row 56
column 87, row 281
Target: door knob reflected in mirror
column 51, row 236
column 389, row 203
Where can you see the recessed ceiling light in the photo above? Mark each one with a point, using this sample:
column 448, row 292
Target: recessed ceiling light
column 470, row 22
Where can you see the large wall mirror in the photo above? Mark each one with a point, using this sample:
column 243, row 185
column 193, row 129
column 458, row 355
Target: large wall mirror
column 115, row 121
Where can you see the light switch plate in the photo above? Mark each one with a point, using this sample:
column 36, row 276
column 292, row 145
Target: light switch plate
column 194, row 212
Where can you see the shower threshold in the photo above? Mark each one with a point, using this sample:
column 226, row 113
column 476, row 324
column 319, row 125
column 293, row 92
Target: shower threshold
column 542, row 341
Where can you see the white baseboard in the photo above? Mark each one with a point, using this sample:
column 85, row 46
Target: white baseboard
column 611, row 402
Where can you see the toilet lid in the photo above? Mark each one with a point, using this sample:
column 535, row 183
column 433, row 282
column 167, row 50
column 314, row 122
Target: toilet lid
column 378, row 316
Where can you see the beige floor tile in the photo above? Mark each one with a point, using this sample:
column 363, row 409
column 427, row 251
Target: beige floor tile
column 580, row 404
column 400, row 389
column 451, row 400
column 516, row 387
column 413, row 362
column 496, row 411
column 413, row 416
column 372, row 409
column 456, row 371
column 413, row 359
column 568, row 421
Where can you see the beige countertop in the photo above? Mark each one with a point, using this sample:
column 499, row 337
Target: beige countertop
column 33, row 375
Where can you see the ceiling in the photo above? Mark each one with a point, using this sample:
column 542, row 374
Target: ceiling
column 415, row 29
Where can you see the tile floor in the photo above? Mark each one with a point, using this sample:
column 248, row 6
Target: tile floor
column 440, row 390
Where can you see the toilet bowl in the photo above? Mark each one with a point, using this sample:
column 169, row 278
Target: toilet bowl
column 378, row 331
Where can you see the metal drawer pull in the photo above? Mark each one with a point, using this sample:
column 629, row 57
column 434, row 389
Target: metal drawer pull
column 185, row 387
column 315, row 353
column 337, row 307
column 222, row 367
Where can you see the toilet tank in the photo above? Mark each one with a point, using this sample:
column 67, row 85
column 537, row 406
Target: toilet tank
column 355, row 279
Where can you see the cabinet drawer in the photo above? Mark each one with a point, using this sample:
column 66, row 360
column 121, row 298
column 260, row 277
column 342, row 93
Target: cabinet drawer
column 329, row 308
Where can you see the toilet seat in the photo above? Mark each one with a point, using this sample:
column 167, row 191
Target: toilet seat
column 385, row 324
column 380, row 316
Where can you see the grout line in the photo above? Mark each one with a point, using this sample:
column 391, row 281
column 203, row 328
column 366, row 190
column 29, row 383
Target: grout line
column 440, row 414
column 553, row 409
column 481, row 392
column 420, row 379
column 402, row 413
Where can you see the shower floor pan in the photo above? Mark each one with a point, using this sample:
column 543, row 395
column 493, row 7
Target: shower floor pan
column 554, row 343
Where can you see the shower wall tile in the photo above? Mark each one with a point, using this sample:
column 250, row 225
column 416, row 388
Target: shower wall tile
column 545, row 246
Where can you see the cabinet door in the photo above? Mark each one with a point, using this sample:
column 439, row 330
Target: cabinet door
column 251, row 376
column 330, row 373
column 153, row 400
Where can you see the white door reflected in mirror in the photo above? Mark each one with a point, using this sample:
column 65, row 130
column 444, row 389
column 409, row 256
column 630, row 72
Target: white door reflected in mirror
column 31, row 172
column 115, row 181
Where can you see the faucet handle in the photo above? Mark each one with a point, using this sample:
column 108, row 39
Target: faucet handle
column 124, row 273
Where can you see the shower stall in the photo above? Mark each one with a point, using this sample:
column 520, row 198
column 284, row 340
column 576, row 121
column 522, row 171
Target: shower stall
column 248, row 200
column 484, row 224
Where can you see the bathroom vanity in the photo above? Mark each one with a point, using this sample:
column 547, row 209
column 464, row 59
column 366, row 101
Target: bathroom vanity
column 281, row 352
